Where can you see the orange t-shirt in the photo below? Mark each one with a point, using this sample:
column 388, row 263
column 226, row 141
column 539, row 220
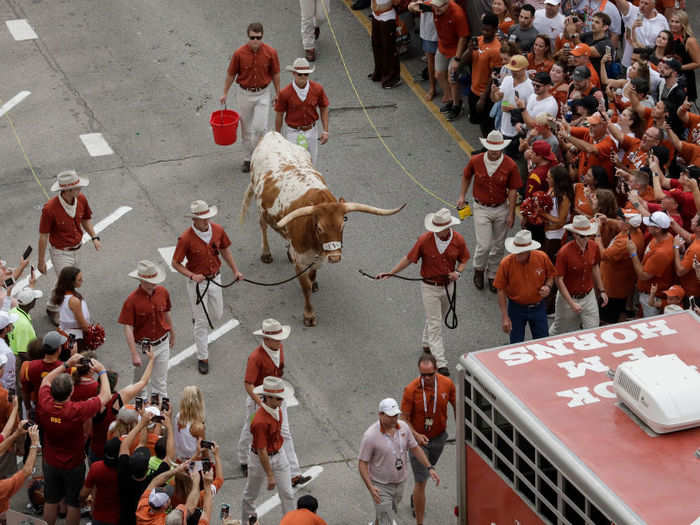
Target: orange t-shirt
column 522, row 282
column 691, row 153
column 582, row 205
column 543, row 67
column 9, row 487
column 414, row 409
column 451, row 26
column 690, row 282
column 616, row 267
column 693, row 128
column 604, row 147
column 485, row 59
column 254, row 69
column 505, row 26
column 658, row 261
column 302, row 517
column 144, row 516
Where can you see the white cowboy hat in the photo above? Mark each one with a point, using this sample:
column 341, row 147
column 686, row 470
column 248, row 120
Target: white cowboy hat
column 301, row 65
column 68, row 180
column 521, row 242
column 582, row 226
column 148, row 272
column 272, row 329
column 494, row 141
column 273, row 387
column 440, row 220
column 201, row 210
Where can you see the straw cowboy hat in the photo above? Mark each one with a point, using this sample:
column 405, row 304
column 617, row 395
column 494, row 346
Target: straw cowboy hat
column 301, row 65
column 148, row 272
column 494, row 141
column 582, row 226
column 440, row 220
column 521, row 242
column 273, row 387
column 201, row 210
column 272, row 329
column 68, row 180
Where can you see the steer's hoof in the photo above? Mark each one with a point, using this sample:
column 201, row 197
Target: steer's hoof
column 314, row 287
column 310, row 321
column 266, row 258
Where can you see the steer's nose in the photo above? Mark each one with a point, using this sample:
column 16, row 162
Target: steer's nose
column 334, row 258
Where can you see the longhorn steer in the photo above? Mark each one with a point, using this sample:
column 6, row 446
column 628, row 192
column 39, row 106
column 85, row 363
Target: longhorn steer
column 293, row 200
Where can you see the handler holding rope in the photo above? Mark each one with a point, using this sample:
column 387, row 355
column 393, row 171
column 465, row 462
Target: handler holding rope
column 202, row 244
column 440, row 249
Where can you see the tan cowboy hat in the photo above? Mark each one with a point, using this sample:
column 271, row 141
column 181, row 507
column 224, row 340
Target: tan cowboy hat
column 201, row 210
column 273, row 387
column 521, row 242
column 148, row 272
column 440, row 220
column 68, row 180
column 272, row 329
column 582, row 226
column 301, row 65
column 494, row 141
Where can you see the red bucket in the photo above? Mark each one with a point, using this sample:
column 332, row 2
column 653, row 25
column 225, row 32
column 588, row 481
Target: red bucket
column 224, row 124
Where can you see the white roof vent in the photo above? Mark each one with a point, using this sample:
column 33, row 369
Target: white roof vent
column 662, row 391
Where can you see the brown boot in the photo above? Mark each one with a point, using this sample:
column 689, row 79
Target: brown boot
column 310, row 55
column 479, row 279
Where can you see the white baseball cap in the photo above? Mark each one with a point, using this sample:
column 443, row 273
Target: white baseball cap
column 389, row 406
column 552, row 2
column 27, row 295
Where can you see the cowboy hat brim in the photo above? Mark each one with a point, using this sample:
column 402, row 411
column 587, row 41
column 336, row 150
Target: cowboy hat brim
column 495, row 147
column 285, row 394
column 213, row 211
column 159, row 278
column 286, row 330
column 591, row 230
column 512, row 248
column 428, row 223
column 80, row 184
column 304, row 71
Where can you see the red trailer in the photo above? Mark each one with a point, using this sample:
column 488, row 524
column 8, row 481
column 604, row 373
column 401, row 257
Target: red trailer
column 542, row 437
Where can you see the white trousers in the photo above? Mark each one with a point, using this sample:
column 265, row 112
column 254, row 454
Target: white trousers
column 254, row 112
column 306, row 139
column 490, row 232
column 159, row 377
column 246, row 439
column 257, row 478
column 311, row 12
column 566, row 320
column 60, row 259
column 435, row 304
column 214, row 301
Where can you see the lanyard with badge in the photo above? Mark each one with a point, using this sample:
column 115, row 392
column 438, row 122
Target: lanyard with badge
column 398, row 459
column 428, row 421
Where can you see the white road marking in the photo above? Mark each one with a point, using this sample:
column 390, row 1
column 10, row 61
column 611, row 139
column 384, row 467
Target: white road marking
column 213, row 336
column 167, row 254
column 96, row 144
column 99, row 227
column 271, row 503
column 19, row 97
column 21, row 30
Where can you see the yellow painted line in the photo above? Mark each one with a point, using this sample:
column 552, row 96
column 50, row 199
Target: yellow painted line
column 418, row 90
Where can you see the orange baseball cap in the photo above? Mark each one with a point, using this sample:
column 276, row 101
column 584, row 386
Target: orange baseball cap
column 675, row 291
column 581, row 50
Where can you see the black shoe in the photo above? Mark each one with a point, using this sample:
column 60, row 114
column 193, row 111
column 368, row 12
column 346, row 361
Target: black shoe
column 246, row 166
column 360, row 4
column 300, row 480
column 446, row 107
column 453, row 113
column 203, row 366
column 317, row 32
column 244, row 469
column 392, row 84
column 373, row 78
column 492, row 287
column 479, row 279
column 443, row 370
column 424, row 73
column 413, row 508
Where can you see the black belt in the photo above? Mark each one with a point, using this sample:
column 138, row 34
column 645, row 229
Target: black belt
column 533, row 305
column 268, row 452
column 71, row 249
column 155, row 342
column 254, row 89
column 490, row 205
column 302, row 128
column 579, row 295
column 433, row 283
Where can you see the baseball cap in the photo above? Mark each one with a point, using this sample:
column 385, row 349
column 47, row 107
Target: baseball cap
column 658, row 219
column 127, row 415
column 543, row 78
column 594, row 119
column 7, row 318
column 437, row 3
column 160, row 496
column 111, row 455
column 27, row 295
column 581, row 73
column 138, row 462
column 53, row 339
column 389, row 406
column 541, row 148
column 675, row 291
column 581, row 50
column 552, row 2
column 634, row 219
column 673, row 64
column 517, row 63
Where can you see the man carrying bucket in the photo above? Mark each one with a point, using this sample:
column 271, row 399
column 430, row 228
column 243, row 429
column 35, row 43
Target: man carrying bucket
column 297, row 105
column 253, row 66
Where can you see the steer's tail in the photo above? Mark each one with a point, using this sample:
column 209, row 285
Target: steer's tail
column 246, row 202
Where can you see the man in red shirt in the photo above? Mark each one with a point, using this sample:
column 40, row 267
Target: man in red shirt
column 298, row 101
column 146, row 318
column 496, row 183
column 443, row 253
column 578, row 272
column 594, row 142
column 542, row 159
column 61, row 422
column 103, row 484
column 63, row 219
column 267, row 458
column 202, row 244
column 37, row 369
column 253, row 66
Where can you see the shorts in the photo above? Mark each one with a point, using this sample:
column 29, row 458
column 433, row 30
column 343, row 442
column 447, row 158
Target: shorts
column 441, row 64
column 433, row 450
column 429, row 46
column 63, row 484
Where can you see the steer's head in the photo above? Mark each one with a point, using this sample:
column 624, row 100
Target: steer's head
column 327, row 223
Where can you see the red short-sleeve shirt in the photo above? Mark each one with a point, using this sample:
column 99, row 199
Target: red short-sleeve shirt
column 105, row 508
column 267, row 432
column 451, row 26
column 254, row 69
column 658, row 261
column 201, row 257
column 413, row 408
column 301, row 113
column 492, row 189
column 435, row 265
column 260, row 366
column 146, row 313
column 64, row 231
column 34, row 373
column 576, row 267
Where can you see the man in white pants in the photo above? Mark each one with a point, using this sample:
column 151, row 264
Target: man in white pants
column 202, row 244
column 299, row 105
column 267, row 458
column 311, row 12
column 147, row 323
column 253, row 66
column 267, row 360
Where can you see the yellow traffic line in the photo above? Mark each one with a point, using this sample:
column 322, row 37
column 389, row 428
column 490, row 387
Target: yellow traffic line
column 418, row 90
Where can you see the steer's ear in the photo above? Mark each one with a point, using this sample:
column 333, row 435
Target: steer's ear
column 341, row 199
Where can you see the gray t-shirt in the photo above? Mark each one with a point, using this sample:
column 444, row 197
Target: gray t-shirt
column 523, row 37
column 382, row 451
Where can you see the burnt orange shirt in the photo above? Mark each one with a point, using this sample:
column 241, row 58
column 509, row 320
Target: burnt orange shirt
column 254, row 69
column 267, row 431
column 484, row 60
column 302, row 517
column 521, row 282
column 451, row 26
column 691, row 153
column 146, row 313
column 576, row 267
column 301, row 113
column 603, row 147
column 414, row 409
column 435, row 265
column 492, row 189
column 616, row 267
column 260, row 366
column 582, row 205
column 64, row 231
column 658, row 261
column 146, row 516
column 542, row 67
column 9, row 487
column 634, row 158
column 201, row 257
column 693, row 128
column 689, row 281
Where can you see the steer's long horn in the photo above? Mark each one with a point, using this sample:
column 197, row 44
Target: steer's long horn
column 299, row 212
column 356, row 206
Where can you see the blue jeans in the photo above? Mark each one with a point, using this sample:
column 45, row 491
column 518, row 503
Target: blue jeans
column 520, row 315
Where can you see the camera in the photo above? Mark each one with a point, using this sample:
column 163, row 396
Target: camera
column 28, row 424
column 165, row 403
column 206, row 465
column 145, row 344
column 155, row 399
column 157, row 419
column 207, row 444
column 138, row 403
column 10, row 395
column 9, row 282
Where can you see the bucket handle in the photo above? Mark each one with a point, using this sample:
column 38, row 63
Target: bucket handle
column 221, row 111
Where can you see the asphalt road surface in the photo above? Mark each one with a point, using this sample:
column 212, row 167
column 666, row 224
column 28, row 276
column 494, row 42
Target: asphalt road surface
column 146, row 75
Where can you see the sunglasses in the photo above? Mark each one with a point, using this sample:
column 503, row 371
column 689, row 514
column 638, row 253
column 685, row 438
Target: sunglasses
column 431, row 374
column 255, row 37
column 303, row 74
